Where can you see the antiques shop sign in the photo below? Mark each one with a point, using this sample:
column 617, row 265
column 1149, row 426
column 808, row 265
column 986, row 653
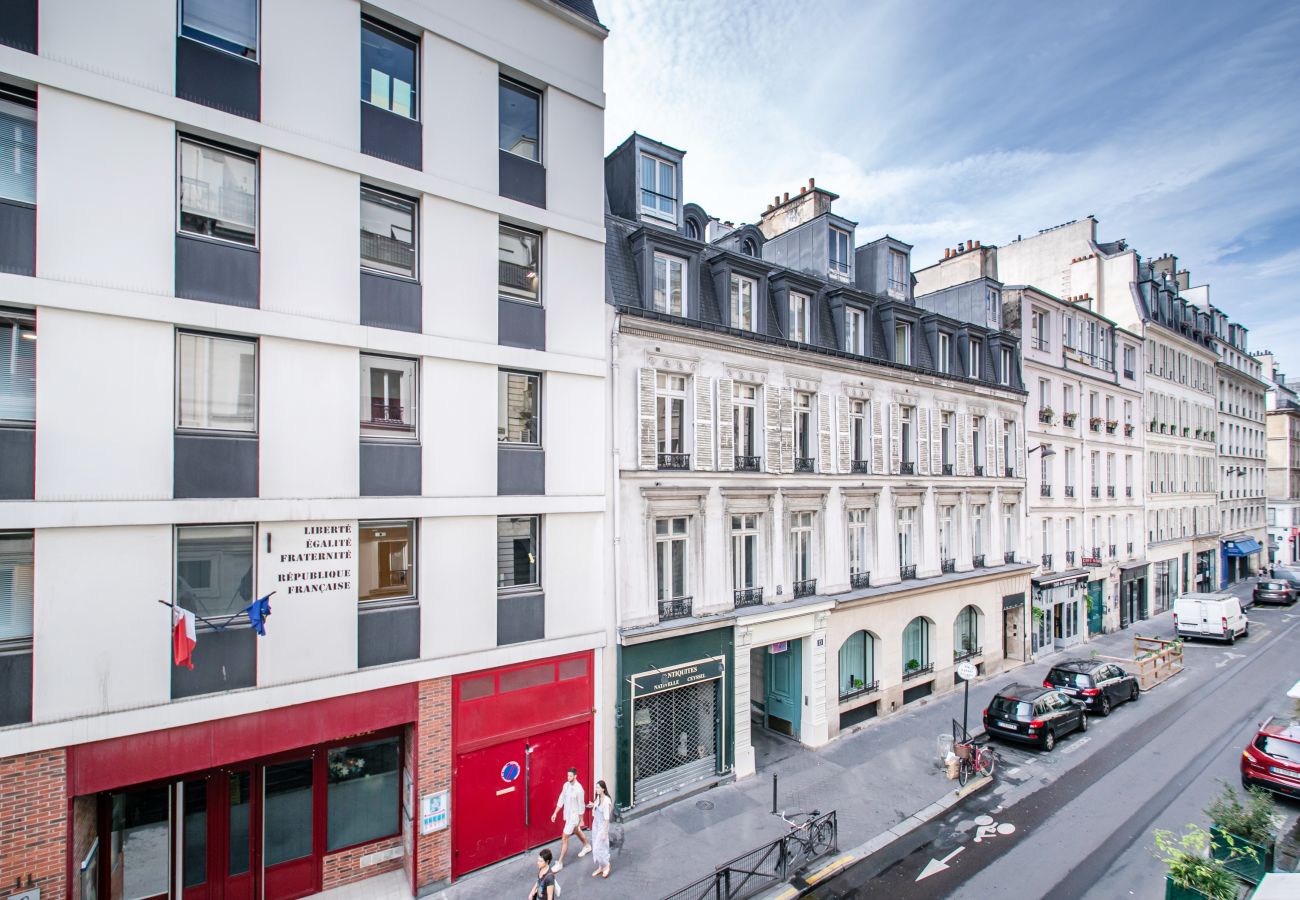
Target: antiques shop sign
column 667, row 679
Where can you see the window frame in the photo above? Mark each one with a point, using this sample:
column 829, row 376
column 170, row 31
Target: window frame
column 860, row 527
column 1004, row 370
column 176, row 561
column 753, row 440
column 944, row 362
column 523, row 87
column 21, row 321
column 802, row 536
column 393, row 197
column 906, row 536
column 868, row 654
column 23, row 100
column 855, row 331
column 254, row 157
column 257, row 36
column 903, row 330
column 406, row 434
column 413, row 570
column 400, row 36
column 664, row 395
column 177, row 427
column 799, row 309
column 504, row 292
column 836, row 238
column 531, row 587
column 860, row 430
column 736, row 297
column 739, row 537
column 360, row 741
column 663, row 545
column 655, row 211
column 538, row 416
column 974, row 361
column 25, row 642
column 669, row 260
column 803, row 413
column 899, row 257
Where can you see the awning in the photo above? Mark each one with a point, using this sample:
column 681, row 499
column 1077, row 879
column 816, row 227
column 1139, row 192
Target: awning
column 1242, row 547
column 1060, row 578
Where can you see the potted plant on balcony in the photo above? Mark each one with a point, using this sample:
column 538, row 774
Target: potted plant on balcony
column 1046, row 414
column 1111, row 425
column 1095, row 422
column 1191, row 873
column 1128, row 429
column 1242, row 835
column 913, row 665
column 1154, row 423
column 1070, row 418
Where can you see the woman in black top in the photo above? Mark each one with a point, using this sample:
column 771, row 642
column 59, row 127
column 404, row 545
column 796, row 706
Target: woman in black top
column 545, row 887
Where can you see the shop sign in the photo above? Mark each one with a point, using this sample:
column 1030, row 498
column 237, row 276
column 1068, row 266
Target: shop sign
column 778, row 647
column 668, row 679
column 1092, row 562
column 434, row 812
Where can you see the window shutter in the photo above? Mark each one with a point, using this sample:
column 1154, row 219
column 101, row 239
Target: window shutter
column 703, row 422
column 1002, row 449
column 726, row 426
column 772, row 427
column 825, row 462
column 649, row 435
column 936, row 441
column 878, row 437
column 963, row 439
column 923, row 442
column 895, row 446
column 787, row 429
column 843, row 448
column 1020, row 451
column 990, row 441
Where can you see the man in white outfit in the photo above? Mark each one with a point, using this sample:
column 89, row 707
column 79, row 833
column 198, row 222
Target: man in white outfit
column 573, row 802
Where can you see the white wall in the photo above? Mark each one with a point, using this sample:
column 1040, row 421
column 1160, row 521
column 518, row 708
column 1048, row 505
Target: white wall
column 572, row 547
column 457, row 584
column 460, row 428
column 571, row 294
column 311, row 57
column 459, row 270
column 134, row 42
column 575, row 171
column 460, row 131
column 575, row 450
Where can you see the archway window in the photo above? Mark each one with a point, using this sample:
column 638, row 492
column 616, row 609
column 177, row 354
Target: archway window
column 857, row 664
column 692, row 229
column 966, row 633
column 748, row 247
column 916, row 646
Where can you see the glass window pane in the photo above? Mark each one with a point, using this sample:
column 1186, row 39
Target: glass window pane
column 516, row 551
column 194, row 862
column 229, row 25
column 518, row 409
column 388, row 69
column 218, row 193
column 17, row 151
column 17, row 368
column 240, row 787
column 139, row 842
column 519, row 264
column 216, row 383
column 214, row 568
column 527, row 677
column 520, row 131
column 386, row 566
column 363, row 790
column 287, row 811
column 387, row 233
column 388, row 397
column 16, row 586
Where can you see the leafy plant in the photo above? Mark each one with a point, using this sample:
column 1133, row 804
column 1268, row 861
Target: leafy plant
column 1038, row 614
column 1186, row 858
column 1253, row 820
column 913, row 665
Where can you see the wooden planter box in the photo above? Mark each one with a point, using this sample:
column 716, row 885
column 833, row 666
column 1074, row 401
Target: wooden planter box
column 1247, row 868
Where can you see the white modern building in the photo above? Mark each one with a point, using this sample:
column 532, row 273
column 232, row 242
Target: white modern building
column 299, row 299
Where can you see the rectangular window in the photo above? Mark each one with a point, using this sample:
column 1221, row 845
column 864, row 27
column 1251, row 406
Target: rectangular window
column 977, row 529
column 670, row 558
column 519, row 264
column 519, row 408
column 658, row 187
column 976, row 368
column 803, row 425
column 1039, row 329
column 745, row 397
column 214, row 569
column 992, row 305
column 518, row 552
column 388, row 68
column 520, row 129
column 218, row 193
column 906, row 415
column 17, row 147
column 670, row 411
column 841, row 246
column 1067, row 398
column 1069, row 468
column 1128, row 362
column 1008, row 528
column 800, row 318
column 387, row 233
column 898, row 272
column 744, row 552
column 859, row 435
column 801, row 535
column 945, row 437
column 1044, row 393
column 855, row 331
column 363, row 788
column 229, row 25
column 945, row 532
column 1008, row 447
column 906, row 535
column 16, row 568
column 17, row 366
column 388, row 390
column 1004, row 368
column 944, row 362
column 670, row 280
column 216, row 383
column 742, row 302
column 859, row 541
column 977, row 440
column 386, row 560
column 903, row 344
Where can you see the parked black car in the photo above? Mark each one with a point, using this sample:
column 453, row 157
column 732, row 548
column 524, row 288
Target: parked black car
column 1099, row 685
column 1033, row 715
column 1274, row 590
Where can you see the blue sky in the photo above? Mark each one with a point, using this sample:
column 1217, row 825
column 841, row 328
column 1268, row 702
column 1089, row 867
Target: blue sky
column 1177, row 124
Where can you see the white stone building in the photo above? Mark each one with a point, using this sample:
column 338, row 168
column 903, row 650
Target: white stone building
column 1282, row 421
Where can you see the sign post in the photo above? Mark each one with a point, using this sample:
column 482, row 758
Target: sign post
column 967, row 671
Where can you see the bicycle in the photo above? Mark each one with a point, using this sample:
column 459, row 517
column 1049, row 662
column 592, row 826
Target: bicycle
column 974, row 758
column 814, row 835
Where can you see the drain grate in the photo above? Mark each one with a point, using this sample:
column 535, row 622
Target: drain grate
column 704, row 804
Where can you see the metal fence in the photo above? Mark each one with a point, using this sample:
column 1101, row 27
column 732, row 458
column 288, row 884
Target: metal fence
column 758, row 870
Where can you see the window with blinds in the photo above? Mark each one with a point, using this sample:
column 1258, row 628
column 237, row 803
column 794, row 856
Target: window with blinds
column 17, row 146
column 17, row 367
column 15, row 589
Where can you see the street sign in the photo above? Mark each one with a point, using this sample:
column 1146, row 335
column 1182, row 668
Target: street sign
column 967, row 671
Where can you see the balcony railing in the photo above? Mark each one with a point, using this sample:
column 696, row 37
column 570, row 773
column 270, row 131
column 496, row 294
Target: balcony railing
column 748, row 463
column 674, row 460
column 1040, row 343
column 963, row 655
column 1110, row 490
column 1096, row 490
column 676, row 608
column 859, row 579
column 1047, row 560
column 748, row 597
column 805, row 588
column 1011, row 471
column 1044, row 490
column 947, row 565
column 917, row 671
column 906, row 468
column 1009, row 556
column 859, row 688
column 1096, row 553
column 803, row 463
column 861, row 466
column 1128, row 492
column 1069, row 557
column 1045, row 416
column 979, row 471
column 907, row 573
column 1128, row 373
column 1112, row 551
column 977, row 560
column 1128, row 431
column 1130, row 548
column 947, row 468
column 1069, row 490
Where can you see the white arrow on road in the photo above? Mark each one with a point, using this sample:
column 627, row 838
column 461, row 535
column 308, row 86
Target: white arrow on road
column 937, row 865
column 1227, row 658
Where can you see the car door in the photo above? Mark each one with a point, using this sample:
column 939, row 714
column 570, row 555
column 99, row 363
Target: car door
column 1071, row 716
column 1109, row 681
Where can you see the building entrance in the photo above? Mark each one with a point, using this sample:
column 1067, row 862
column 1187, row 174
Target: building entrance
column 776, row 675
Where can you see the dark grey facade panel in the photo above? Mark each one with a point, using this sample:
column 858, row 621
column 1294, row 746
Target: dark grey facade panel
column 391, row 303
column 522, row 179
column 217, row 272
column 223, row 661
column 17, row 464
column 520, row 617
column 386, row 135
column 18, row 24
column 209, row 465
column 388, row 634
column 221, row 80
column 521, row 324
column 390, row 470
column 520, row 470
column 17, row 238
column 16, row 679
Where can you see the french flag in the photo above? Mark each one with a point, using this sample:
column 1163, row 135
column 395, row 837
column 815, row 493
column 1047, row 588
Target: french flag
column 183, row 639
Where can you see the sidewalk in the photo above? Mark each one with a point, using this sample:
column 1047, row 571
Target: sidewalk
column 874, row 779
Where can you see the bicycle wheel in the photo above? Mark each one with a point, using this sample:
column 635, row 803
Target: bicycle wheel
column 988, row 762
column 822, row 838
column 963, row 773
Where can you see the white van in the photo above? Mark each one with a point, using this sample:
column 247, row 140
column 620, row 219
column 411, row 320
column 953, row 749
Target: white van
column 1216, row 616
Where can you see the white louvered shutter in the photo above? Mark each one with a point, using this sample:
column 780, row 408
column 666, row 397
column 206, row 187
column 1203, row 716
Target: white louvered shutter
column 726, row 426
column 963, row 444
column 648, row 432
column 923, row 442
column 772, row 426
column 990, row 443
column 703, row 422
column 1001, row 469
column 787, row 429
column 843, row 449
column 936, row 441
column 878, row 437
column 895, row 445
column 1020, row 451
column 825, row 462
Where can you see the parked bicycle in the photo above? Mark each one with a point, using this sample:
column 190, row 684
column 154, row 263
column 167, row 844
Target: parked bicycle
column 815, row 834
column 974, row 758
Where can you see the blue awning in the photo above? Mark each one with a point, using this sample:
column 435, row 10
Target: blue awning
column 1242, row 547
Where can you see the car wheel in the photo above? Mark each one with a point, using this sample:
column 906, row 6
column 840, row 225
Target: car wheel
column 1049, row 741
column 1083, row 721
column 1134, row 693
column 1232, row 638
column 1105, row 705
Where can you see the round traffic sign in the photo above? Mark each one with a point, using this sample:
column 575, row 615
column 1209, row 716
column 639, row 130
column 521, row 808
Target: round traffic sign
column 510, row 771
column 967, row 671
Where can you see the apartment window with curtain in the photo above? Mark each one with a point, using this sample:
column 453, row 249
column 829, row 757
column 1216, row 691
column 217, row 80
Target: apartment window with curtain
column 216, row 383
column 977, row 442
column 519, row 403
column 1008, row 528
column 16, row 570
column 945, row 440
column 801, row 546
column 916, row 645
column 388, row 223
column 906, row 433
column 1004, row 367
column 855, row 331
column 857, row 663
column 388, row 398
column 944, row 362
column 218, row 192
column 744, row 551
column 17, row 146
column 386, row 560
column 803, row 427
column 898, row 272
column 841, row 248
column 670, row 411
column 903, row 343
column 227, row 25
column 670, row 285
column 742, row 302
column 1008, row 447
column 1044, row 394
column 800, row 318
column 671, row 558
column 520, row 124
column 389, row 61
column 658, row 187
column 906, row 535
column 859, row 433
column 519, row 264
column 17, row 366
column 977, row 529
column 946, row 533
column 859, row 541
column 518, row 553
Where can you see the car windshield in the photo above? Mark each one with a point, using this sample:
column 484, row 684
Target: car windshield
column 1279, row 748
column 1009, row 708
column 1062, row 678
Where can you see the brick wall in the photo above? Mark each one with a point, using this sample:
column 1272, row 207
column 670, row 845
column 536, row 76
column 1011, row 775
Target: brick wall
column 33, row 821
column 346, row 866
column 433, row 852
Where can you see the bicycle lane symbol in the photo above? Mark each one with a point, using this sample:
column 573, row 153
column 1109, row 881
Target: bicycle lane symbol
column 986, row 828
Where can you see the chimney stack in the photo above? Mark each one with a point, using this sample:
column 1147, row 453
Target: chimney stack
column 812, row 183
column 786, row 197
column 788, row 212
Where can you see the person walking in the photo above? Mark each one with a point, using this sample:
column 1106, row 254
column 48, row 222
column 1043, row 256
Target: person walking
column 544, row 889
column 573, row 803
column 602, row 810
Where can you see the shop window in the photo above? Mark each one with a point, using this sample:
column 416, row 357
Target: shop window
column 386, row 568
column 363, row 787
column 286, row 812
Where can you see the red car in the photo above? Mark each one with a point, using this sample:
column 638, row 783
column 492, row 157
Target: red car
column 1272, row 759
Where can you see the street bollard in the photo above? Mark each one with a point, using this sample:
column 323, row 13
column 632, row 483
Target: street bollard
column 773, row 793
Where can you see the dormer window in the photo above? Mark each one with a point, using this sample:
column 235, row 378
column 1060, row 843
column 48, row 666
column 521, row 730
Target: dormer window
column 748, row 247
column 903, row 343
column 897, row 273
column 944, row 362
column 692, row 230
column 855, row 331
column 841, row 246
column 974, row 369
column 670, row 285
column 992, row 305
column 658, row 187
column 800, row 318
column 742, row 302
column 1004, row 369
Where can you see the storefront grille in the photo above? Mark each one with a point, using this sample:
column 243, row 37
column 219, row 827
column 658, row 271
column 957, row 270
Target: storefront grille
column 675, row 739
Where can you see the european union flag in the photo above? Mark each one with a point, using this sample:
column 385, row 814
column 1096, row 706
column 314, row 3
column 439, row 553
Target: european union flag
column 258, row 612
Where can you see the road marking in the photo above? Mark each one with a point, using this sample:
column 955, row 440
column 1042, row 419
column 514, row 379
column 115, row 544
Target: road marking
column 1228, row 656
column 829, row 869
column 1075, row 745
column 935, row 866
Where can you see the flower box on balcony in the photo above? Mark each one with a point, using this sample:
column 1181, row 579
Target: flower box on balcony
column 1070, row 418
column 1128, row 431
column 1045, row 415
column 1095, row 423
column 1111, row 426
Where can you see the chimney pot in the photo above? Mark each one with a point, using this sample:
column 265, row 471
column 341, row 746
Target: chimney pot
column 961, row 248
column 786, row 198
column 776, row 199
column 812, row 183
column 802, row 190
column 977, row 245
column 947, row 252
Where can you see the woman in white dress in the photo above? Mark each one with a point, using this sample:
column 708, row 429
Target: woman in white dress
column 602, row 810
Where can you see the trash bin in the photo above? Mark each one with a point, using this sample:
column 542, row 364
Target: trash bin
column 945, row 746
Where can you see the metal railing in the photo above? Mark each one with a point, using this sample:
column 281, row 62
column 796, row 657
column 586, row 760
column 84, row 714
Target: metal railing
column 1040, row 343
column 979, row 471
column 1112, row 551
column 859, row 690
column 948, row 468
column 1096, row 490
column 1110, row 490
column 1011, row 472
column 907, row 573
column 676, row 608
column 1128, row 492
column 1044, row 490
column 1069, row 490
column 907, row 468
column 674, row 460
column 859, row 579
column 977, row 561
column 962, row 655
column 861, row 466
column 1009, row 556
column 1069, row 557
column 947, row 565
column 805, row 588
column 748, row 463
column 748, row 596
column 917, row 672
column 1047, row 560
column 803, row 463
column 1130, row 548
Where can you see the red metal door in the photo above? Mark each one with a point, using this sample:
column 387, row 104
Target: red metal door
column 550, row 756
column 290, row 861
column 218, row 836
column 489, row 805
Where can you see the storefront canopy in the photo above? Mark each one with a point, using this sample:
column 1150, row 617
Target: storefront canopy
column 1242, row 546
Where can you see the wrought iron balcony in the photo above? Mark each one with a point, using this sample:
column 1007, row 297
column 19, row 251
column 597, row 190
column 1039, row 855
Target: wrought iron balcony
column 803, row 463
column 947, row 565
column 859, row 579
column 906, row 468
column 1040, row 343
column 1047, row 560
column 1096, row 553
column 1044, row 490
column 1112, row 551
column 805, row 588
column 1011, row 472
column 963, row 655
column 1069, row 490
column 859, row 688
column 1128, row 431
column 977, row 560
column 916, row 671
column 748, row 463
column 947, row 468
column 979, row 471
column 1128, row 492
column 861, row 466
column 747, row 597
column 1096, row 490
column 1069, row 557
column 1009, row 556
column 907, row 573
column 1110, row 490
column 676, row 608
column 1128, row 373
column 1130, row 548
column 674, row 460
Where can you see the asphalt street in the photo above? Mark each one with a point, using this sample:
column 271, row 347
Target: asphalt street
column 1078, row 823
